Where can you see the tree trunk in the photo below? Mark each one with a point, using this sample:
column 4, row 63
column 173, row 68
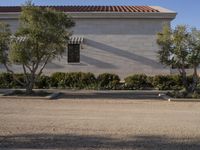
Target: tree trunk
column 195, row 80
column 30, row 84
column 184, row 79
column 29, row 88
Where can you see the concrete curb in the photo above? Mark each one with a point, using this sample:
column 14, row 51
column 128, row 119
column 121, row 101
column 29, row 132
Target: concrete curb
column 57, row 92
column 54, row 95
column 85, row 90
column 49, row 97
column 171, row 99
column 115, row 91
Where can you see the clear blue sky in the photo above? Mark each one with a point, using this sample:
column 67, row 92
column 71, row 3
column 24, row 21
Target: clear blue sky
column 188, row 10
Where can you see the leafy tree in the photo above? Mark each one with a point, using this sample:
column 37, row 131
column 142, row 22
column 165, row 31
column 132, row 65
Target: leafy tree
column 180, row 48
column 5, row 34
column 194, row 55
column 174, row 49
column 41, row 37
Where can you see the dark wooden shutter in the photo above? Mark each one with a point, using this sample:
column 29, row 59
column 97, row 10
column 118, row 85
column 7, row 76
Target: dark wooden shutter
column 73, row 53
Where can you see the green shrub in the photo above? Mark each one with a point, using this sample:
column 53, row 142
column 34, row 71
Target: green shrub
column 189, row 79
column 43, row 82
column 58, row 79
column 74, row 80
column 78, row 80
column 108, row 81
column 6, row 80
column 167, row 82
column 20, row 77
column 178, row 93
column 137, row 81
column 86, row 80
column 184, row 94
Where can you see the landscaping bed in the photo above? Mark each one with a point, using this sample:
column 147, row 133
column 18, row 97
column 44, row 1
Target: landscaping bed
column 105, row 81
column 36, row 94
column 23, row 93
column 184, row 94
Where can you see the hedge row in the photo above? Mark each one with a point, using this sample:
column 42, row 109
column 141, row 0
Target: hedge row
column 74, row 80
column 161, row 82
column 80, row 80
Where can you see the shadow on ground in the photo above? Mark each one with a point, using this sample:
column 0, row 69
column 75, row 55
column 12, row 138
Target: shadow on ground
column 110, row 95
column 67, row 141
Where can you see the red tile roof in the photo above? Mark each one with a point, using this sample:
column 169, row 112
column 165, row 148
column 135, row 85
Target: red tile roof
column 145, row 9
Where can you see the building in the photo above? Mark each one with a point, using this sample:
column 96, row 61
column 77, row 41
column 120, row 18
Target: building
column 114, row 39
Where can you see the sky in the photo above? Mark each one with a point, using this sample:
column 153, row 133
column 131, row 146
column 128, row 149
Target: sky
column 188, row 10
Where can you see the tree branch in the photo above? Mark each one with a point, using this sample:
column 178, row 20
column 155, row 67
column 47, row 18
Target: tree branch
column 13, row 74
column 25, row 72
column 29, row 68
column 42, row 67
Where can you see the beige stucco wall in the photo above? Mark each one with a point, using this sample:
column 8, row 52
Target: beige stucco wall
column 122, row 45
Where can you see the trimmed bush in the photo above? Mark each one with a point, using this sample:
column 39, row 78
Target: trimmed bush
column 108, row 81
column 137, row 82
column 21, row 78
column 78, row 80
column 87, row 80
column 6, row 80
column 43, row 82
column 184, row 94
column 58, row 79
column 167, row 82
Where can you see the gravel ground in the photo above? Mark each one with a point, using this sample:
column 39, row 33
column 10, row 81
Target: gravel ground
column 99, row 124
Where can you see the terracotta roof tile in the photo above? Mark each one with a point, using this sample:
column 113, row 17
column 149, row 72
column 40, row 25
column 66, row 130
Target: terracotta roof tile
column 88, row 8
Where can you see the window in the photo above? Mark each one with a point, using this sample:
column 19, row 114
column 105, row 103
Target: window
column 74, row 46
column 73, row 53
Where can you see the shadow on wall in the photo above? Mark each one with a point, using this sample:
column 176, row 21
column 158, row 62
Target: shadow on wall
column 70, row 141
column 2, row 67
column 122, row 53
column 52, row 65
column 97, row 63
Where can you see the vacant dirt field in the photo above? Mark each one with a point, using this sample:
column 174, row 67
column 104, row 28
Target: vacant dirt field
column 99, row 124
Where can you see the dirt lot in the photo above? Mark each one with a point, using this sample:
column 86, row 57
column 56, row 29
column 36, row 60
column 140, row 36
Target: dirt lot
column 99, row 124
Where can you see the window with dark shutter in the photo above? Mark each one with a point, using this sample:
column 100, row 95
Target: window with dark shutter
column 73, row 53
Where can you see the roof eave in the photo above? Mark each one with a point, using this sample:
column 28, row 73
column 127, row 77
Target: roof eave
column 122, row 15
column 155, row 15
